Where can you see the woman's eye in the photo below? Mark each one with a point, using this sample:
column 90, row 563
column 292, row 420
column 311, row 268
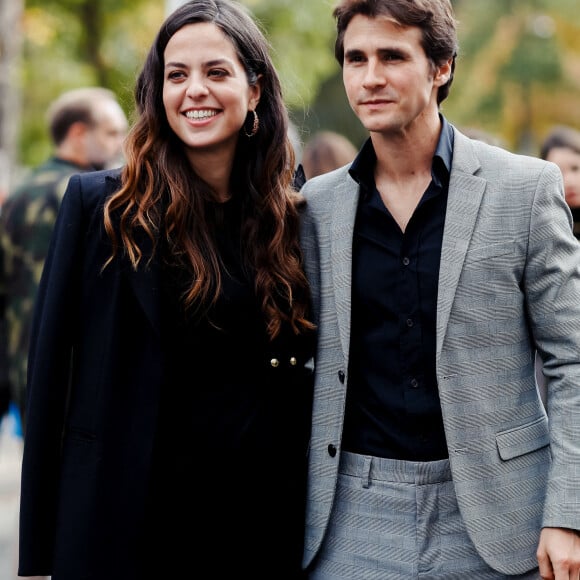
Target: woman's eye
column 217, row 73
column 175, row 75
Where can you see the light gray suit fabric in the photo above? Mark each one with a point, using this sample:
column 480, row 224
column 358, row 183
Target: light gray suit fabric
column 509, row 283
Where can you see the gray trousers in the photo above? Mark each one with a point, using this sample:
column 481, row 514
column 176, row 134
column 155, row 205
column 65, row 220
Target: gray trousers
column 398, row 520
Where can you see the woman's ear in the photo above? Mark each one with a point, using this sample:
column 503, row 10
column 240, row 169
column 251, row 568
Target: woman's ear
column 255, row 94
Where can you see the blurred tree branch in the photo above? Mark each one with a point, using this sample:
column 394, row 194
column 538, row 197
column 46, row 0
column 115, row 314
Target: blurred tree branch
column 10, row 44
column 514, row 57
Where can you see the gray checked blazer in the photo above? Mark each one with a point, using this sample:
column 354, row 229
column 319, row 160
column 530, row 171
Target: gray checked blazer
column 509, row 284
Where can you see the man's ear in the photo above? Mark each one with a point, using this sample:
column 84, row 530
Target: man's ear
column 443, row 73
column 77, row 130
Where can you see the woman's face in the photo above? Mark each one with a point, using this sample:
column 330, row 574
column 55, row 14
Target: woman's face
column 206, row 94
column 568, row 161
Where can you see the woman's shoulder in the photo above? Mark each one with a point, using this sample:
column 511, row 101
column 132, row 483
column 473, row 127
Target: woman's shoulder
column 91, row 188
column 104, row 180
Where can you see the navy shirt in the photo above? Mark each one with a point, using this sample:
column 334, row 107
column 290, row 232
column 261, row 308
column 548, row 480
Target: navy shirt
column 393, row 408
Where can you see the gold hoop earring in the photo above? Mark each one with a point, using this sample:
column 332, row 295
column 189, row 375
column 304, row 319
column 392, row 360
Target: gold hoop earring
column 255, row 125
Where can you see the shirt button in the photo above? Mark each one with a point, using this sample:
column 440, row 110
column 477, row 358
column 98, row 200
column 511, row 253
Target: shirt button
column 410, row 322
column 332, row 450
column 341, row 376
column 274, row 362
column 406, row 261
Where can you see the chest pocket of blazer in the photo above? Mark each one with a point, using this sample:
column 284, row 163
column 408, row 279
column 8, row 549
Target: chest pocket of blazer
column 491, row 252
column 523, row 439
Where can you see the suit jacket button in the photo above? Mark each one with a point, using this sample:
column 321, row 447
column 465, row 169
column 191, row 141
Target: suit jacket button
column 293, row 361
column 332, row 450
column 341, row 376
column 274, row 362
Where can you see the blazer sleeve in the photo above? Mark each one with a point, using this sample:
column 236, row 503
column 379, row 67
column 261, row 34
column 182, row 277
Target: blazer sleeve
column 552, row 284
column 5, row 389
column 49, row 368
column 311, row 258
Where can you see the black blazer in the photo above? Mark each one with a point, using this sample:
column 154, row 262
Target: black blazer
column 95, row 369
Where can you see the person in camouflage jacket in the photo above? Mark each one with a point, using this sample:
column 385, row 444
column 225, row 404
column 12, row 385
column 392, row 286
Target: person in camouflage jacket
column 87, row 127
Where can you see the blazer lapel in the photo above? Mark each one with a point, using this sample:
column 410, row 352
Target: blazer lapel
column 345, row 198
column 145, row 284
column 145, row 280
column 464, row 199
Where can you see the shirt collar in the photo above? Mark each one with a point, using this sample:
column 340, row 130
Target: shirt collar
column 362, row 168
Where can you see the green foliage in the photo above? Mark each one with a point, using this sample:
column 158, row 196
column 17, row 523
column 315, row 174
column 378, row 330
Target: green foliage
column 301, row 33
column 518, row 71
column 57, row 56
column 533, row 60
column 517, row 67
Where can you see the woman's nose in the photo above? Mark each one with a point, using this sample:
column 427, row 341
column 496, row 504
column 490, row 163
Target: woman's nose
column 196, row 87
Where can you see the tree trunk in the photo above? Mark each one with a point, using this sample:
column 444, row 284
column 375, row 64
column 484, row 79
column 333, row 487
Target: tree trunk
column 10, row 43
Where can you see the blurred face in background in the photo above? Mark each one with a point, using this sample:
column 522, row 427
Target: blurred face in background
column 568, row 160
column 104, row 140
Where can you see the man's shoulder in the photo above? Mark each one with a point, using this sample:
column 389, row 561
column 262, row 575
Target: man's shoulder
column 493, row 158
column 328, row 181
column 46, row 180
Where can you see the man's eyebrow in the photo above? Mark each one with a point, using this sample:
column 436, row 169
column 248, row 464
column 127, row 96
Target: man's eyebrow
column 391, row 50
column 353, row 52
column 387, row 50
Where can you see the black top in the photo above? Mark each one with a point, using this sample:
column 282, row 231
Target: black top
column 229, row 471
column 393, row 407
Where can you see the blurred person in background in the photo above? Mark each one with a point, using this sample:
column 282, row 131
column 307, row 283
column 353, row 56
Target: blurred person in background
column 87, row 127
column 169, row 395
column 325, row 151
column 562, row 147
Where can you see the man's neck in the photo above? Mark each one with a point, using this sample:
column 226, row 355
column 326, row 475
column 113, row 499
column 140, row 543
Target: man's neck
column 406, row 153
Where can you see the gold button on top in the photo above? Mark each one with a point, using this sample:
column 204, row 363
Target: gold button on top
column 293, row 361
column 274, row 362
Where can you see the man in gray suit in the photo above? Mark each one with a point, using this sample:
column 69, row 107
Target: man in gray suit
column 439, row 265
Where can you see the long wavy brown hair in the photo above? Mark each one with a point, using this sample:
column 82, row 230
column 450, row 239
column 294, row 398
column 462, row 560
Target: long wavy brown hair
column 161, row 195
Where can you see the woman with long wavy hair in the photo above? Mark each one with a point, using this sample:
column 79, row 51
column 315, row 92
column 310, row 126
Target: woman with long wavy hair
column 170, row 379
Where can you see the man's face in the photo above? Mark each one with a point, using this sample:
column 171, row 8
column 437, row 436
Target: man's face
column 104, row 141
column 390, row 83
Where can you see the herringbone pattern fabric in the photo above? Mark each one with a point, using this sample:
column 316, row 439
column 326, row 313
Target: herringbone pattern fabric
column 509, row 283
column 397, row 520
